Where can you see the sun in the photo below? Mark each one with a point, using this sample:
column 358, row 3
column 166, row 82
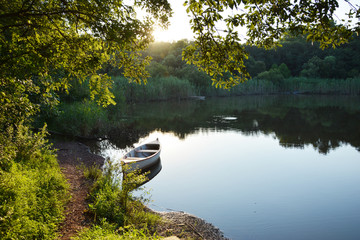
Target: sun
column 179, row 27
column 161, row 35
column 177, row 30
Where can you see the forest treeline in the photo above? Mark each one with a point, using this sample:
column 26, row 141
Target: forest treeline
column 296, row 67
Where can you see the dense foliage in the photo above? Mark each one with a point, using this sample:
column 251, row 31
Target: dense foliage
column 51, row 42
column 45, row 48
column 32, row 189
column 217, row 49
column 298, row 66
column 115, row 209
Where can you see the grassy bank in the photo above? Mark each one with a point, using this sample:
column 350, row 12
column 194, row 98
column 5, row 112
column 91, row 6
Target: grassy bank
column 156, row 89
column 350, row 86
column 33, row 192
column 83, row 118
column 293, row 85
column 167, row 88
column 117, row 215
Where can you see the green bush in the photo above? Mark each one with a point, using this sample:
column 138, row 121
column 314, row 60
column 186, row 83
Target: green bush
column 112, row 202
column 274, row 75
column 84, row 118
column 110, row 232
column 106, row 202
column 173, row 88
column 33, row 191
column 93, row 172
column 111, row 194
column 157, row 88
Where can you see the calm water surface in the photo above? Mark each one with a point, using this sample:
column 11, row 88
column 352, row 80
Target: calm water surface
column 277, row 167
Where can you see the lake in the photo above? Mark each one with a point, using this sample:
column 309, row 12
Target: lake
column 257, row 167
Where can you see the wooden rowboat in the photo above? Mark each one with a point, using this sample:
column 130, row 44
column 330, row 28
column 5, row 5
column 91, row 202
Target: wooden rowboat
column 143, row 156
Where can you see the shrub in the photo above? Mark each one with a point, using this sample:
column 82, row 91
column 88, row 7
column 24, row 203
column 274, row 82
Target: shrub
column 93, row 172
column 33, row 191
column 274, row 75
column 157, row 88
column 109, row 231
column 84, row 118
column 112, row 202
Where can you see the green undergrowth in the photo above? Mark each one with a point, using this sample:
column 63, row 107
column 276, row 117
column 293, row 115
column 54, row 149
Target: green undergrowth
column 167, row 88
column 349, row 86
column 117, row 214
column 157, row 88
column 33, row 190
column 295, row 85
column 84, row 118
column 93, row 172
column 105, row 230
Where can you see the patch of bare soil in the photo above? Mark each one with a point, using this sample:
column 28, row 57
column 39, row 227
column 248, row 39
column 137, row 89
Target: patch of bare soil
column 72, row 156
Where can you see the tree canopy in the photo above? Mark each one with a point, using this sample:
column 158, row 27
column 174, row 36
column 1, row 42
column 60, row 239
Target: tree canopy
column 218, row 50
column 46, row 44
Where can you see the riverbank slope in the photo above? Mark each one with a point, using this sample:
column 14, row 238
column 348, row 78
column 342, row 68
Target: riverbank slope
column 72, row 156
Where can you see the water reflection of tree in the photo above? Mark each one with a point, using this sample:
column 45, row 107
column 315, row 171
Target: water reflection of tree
column 323, row 122
column 326, row 129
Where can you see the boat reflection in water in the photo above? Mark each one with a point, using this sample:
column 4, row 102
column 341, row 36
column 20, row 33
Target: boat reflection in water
column 153, row 170
column 150, row 171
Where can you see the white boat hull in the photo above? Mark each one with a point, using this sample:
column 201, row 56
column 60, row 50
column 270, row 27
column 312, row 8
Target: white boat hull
column 143, row 156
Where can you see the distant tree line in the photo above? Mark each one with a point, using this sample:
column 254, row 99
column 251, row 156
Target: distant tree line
column 301, row 58
column 297, row 59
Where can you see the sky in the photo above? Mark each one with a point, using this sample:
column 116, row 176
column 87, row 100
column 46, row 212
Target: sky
column 180, row 27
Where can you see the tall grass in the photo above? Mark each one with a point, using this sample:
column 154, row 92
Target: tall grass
column 33, row 191
column 163, row 88
column 109, row 231
column 251, row 87
column 350, row 86
column 297, row 85
column 114, row 207
column 84, row 118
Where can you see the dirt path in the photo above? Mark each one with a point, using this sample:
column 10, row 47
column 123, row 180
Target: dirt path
column 72, row 156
